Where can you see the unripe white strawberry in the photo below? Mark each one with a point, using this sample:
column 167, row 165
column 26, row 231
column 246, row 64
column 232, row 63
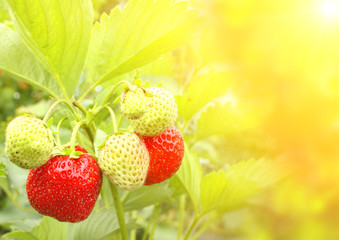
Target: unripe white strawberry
column 160, row 115
column 133, row 103
column 124, row 160
column 29, row 142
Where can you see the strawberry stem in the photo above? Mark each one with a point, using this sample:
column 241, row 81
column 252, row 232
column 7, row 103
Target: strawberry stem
column 119, row 212
column 80, row 107
column 114, row 121
column 192, row 226
column 58, row 130
column 113, row 89
column 96, row 84
column 182, row 203
column 13, row 197
column 133, row 234
column 155, row 220
column 51, row 108
column 90, row 125
column 69, row 231
column 120, row 120
column 150, row 228
column 74, row 134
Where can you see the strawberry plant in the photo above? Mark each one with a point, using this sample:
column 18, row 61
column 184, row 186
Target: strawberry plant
column 142, row 156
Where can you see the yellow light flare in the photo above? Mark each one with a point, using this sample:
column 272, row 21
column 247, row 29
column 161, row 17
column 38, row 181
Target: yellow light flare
column 329, row 9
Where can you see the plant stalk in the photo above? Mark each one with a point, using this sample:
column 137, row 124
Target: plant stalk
column 114, row 121
column 120, row 120
column 74, row 134
column 152, row 222
column 15, row 202
column 80, row 107
column 69, row 231
column 105, row 196
column 192, row 226
column 96, row 84
column 90, row 126
column 155, row 220
column 119, row 212
column 133, row 235
column 113, row 89
column 58, row 130
column 50, row 110
column 182, row 203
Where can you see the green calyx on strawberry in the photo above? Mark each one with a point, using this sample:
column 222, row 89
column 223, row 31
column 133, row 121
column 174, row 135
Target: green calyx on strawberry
column 133, row 102
column 160, row 113
column 65, row 188
column 29, row 142
column 75, row 152
column 124, row 161
column 166, row 152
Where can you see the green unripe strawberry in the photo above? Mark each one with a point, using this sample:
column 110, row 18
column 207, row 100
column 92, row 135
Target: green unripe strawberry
column 124, row 160
column 133, row 103
column 160, row 115
column 29, row 142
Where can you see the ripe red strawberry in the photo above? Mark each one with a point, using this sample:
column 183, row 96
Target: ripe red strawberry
column 166, row 152
column 65, row 188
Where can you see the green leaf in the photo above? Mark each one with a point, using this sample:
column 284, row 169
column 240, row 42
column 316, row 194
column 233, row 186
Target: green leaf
column 16, row 59
column 16, row 179
column 3, row 12
column 156, row 48
column 101, row 97
column 99, row 139
column 222, row 117
column 49, row 122
column 2, row 171
column 128, row 39
column 189, row 177
column 99, row 225
column 228, row 189
column 164, row 66
column 263, row 172
column 214, row 190
column 25, row 224
column 38, row 109
column 48, row 229
column 140, row 198
column 58, row 33
column 201, row 90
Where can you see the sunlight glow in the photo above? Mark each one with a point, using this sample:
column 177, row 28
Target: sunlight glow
column 329, row 9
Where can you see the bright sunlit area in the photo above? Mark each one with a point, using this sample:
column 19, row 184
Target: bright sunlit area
column 329, row 9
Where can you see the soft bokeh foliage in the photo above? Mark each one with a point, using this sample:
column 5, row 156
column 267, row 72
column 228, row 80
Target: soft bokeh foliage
column 284, row 56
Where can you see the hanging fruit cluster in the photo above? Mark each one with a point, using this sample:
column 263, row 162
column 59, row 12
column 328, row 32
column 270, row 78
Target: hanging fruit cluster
column 64, row 182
